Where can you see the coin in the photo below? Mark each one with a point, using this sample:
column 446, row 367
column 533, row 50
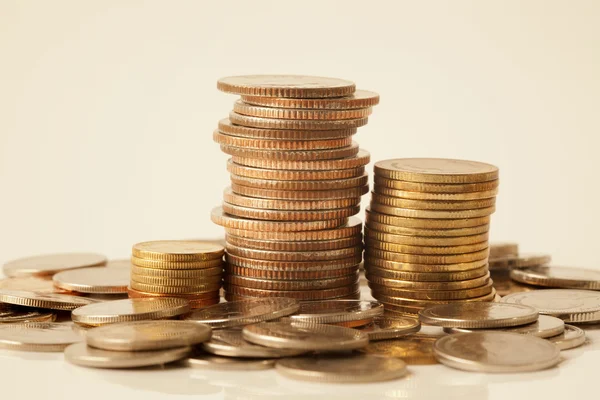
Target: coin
column 291, row 175
column 427, row 259
column 10, row 314
column 424, row 223
column 570, row 305
column 212, row 363
column 219, row 217
column 278, row 144
column 147, row 335
column 411, row 349
column 332, row 184
column 447, row 214
column 349, row 193
column 239, row 313
column 30, row 284
column 295, row 86
column 424, row 294
column 317, row 273
column 230, row 343
column 505, row 286
column 436, row 170
column 305, row 336
column 318, row 265
column 273, row 245
column 287, row 215
column 178, row 250
column 498, row 250
column 425, row 241
column 436, row 187
column 243, row 108
column 359, row 99
column 133, row 293
column 287, row 205
column 93, row 280
column 292, row 155
column 520, row 261
column 407, row 303
column 424, row 277
column 270, row 284
column 432, row 204
column 335, row 254
column 371, row 243
column 52, row 301
column 370, row 261
column 227, row 127
column 299, row 124
column 179, row 273
column 571, row 337
column 120, row 263
column 307, row 295
column 336, row 311
column 176, row 265
column 361, row 159
column 81, row 354
column 176, row 290
column 496, row 352
column 385, row 327
column 351, row 228
column 478, row 315
column 236, row 297
column 428, row 285
column 545, row 327
column 50, row 264
column 558, row 277
column 427, row 233
column 37, row 336
column 199, row 283
column 130, row 310
column 409, row 194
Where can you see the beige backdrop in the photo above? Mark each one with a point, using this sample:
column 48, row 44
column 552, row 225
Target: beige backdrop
column 107, row 108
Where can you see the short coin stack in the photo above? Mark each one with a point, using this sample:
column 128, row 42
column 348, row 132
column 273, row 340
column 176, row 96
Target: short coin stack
column 426, row 232
column 296, row 178
column 170, row 268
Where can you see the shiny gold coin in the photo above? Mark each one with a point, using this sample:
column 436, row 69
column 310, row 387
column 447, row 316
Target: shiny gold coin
column 10, row 314
column 410, row 213
column 426, row 223
column 298, row 205
column 321, row 294
column 520, row 261
column 436, row 170
column 179, row 273
column 322, row 265
column 294, row 246
column 50, row 264
column 407, row 194
column 295, row 86
column 300, row 124
column 93, row 280
column 299, row 285
column 431, row 204
column 37, row 336
column 300, row 194
column 424, row 250
column 371, row 260
column 228, row 128
column 359, row 160
column 428, row 233
column 289, row 155
column 498, row 250
column 433, row 294
column 423, row 277
column 404, row 301
column 351, row 228
column 287, row 215
column 277, row 144
column 86, row 356
column 137, row 294
column 436, row 187
column 31, row 284
column 219, row 217
column 52, row 301
column 175, row 265
column 299, row 114
column 353, row 324
column 427, row 259
column 359, row 99
column 161, row 280
column 235, row 297
column 412, row 350
column 422, row 286
column 294, row 255
column 175, row 290
column 425, row 241
column 178, row 250
column 290, row 275
column 302, row 184
column 291, row 175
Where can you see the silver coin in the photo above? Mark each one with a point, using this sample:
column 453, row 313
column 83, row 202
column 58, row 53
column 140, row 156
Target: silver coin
column 346, row 368
column 383, row 328
column 496, row 352
column 38, row 336
column 571, row 337
column 558, row 277
column 81, row 354
column 478, row 315
column 570, row 305
column 305, row 336
column 228, row 363
column 545, row 327
column 230, row 343
column 147, row 335
column 335, row 311
column 93, row 280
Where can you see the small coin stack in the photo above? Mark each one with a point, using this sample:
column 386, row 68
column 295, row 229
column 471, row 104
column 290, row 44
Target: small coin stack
column 426, row 232
column 177, row 268
column 296, row 178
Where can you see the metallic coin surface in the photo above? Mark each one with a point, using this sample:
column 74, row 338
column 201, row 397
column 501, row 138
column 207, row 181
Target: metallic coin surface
column 30, row 284
column 86, row 356
column 355, row 368
column 351, row 228
column 433, row 214
column 545, row 327
column 424, row 277
column 176, row 290
column 296, row 246
column 436, row 170
column 505, row 286
column 558, row 277
column 413, row 303
column 305, row 336
column 175, row 265
column 480, row 255
column 10, row 314
column 50, row 264
column 478, row 315
column 287, row 215
column 295, row 86
column 520, row 261
column 428, row 295
column 301, row 295
column 230, row 343
column 571, row 337
column 359, row 99
column 359, row 160
column 291, row 175
column 191, row 297
column 205, row 361
column 436, row 187
column 329, row 184
column 335, row 311
column 291, row 275
column 322, row 255
column 309, row 284
column 292, row 155
column 424, row 250
column 570, row 305
column 424, row 223
column 425, row 241
column 424, row 233
column 300, row 195
column 93, row 280
column 391, row 201
column 386, row 327
column 420, row 286
column 197, row 282
column 278, row 144
column 371, row 260
column 300, row 124
column 413, row 350
column 43, row 300
column 178, row 273
column 408, row 194
column 178, row 250
column 498, row 250
column 321, row 265
column 37, row 336
column 229, row 128
column 287, row 205
column 130, row 310
column 496, row 352
column 147, row 335
column 241, row 107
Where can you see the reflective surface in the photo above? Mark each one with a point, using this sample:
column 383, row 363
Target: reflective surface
column 478, row 315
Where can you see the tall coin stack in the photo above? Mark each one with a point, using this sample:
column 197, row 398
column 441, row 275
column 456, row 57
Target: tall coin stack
column 296, row 178
column 426, row 232
column 187, row 269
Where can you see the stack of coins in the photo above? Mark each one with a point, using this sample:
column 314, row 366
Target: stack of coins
column 426, row 232
column 296, row 178
column 186, row 269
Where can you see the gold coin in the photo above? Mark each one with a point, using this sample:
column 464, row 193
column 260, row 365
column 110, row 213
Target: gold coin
column 297, row 113
column 351, row 228
column 295, row 155
column 50, row 264
column 295, row 86
column 428, row 259
column 287, row 205
column 290, row 275
column 433, row 294
column 294, row 255
column 31, row 284
column 441, row 233
column 227, row 127
column 321, row 294
column 300, row 124
column 161, row 280
column 359, row 99
column 322, row 265
column 93, row 280
column 286, row 215
column 300, row 194
column 197, row 288
column 10, row 314
column 424, row 250
column 427, row 286
column 86, row 356
column 219, row 217
column 407, row 194
column 436, row 170
column 433, row 204
column 404, row 302
column 426, row 223
column 277, row 144
column 520, row 261
column 176, row 265
column 371, row 260
column 329, row 184
column 412, row 350
column 290, row 175
column 312, row 284
column 425, row 241
column 178, row 250
column 196, row 304
column 436, row 187
column 394, row 310
column 293, row 246
column 426, row 214
column 422, row 277
column 498, row 250
column 52, row 301
column 361, row 159
column 192, row 297
column 37, row 336
column 234, row 297
column 180, row 273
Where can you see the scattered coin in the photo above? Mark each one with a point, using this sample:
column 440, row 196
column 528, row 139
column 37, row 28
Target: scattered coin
column 498, row 250
column 571, row 337
column 359, row 99
column 81, row 354
column 545, row 327
column 336, row 311
column 385, row 327
column 50, row 264
column 93, row 280
column 230, row 343
column 11, row 314
column 478, row 315
column 37, row 336
column 558, row 277
column 295, row 86
column 205, row 361
column 520, row 261
column 43, row 300
column 413, row 350
column 436, row 170
column 30, row 284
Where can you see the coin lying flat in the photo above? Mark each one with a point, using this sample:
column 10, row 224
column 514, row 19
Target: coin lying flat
column 371, row 260
column 81, row 354
column 570, row 305
column 11, row 314
column 305, row 336
column 302, row 295
column 50, row 264
column 558, row 277
column 425, row 241
column 408, row 194
column 519, row 261
column 238, row 313
column 291, row 175
column 411, row 349
column 241, row 107
column 178, row 250
column 175, row 265
column 335, row 311
column 359, row 99
column 424, row 223
column 478, row 315
column 278, row 144
column 30, row 284
column 295, row 86
column 496, row 352
column 37, row 336
column 385, row 327
column 229, row 128
column 436, row 170
column 93, row 280
column 147, row 335
column 545, row 327
column 294, row 255
column 436, row 187
column 498, row 250
column 130, row 310
column 355, row 368
column 230, row 343
column 359, row 160
column 177, row 274
column 297, row 246
column 429, row 285
column 43, row 300
column 571, row 337
column 204, row 361
column 424, row 277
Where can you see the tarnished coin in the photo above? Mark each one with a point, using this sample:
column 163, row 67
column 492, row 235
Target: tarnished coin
column 229, row 128
column 305, row 336
column 571, row 337
column 385, row 327
column 319, row 265
column 409, row 194
column 432, row 214
column 239, row 313
column 329, row 184
column 292, row 155
column 359, row 160
column 178, row 273
column 294, row 246
column 424, row 223
column 300, row 124
column 545, row 327
column 351, row 228
column 30, row 284
column 570, row 305
column 498, row 250
column 175, row 265
column 413, row 304
column 359, row 99
column 291, row 175
column 309, row 284
column 287, row 215
column 427, row 259
column 243, row 108
column 436, row 170
column 230, row 343
column 355, row 368
column 147, row 335
column 278, row 144
column 10, row 314
column 336, row 311
column 426, row 277
column 204, row 361
column 294, row 255
column 37, row 336
column 130, row 310
column 295, row 86
column 424, row 250
column 300, row 195
column 93, row 280
column 178, row 250
column 436, row 187
column 427, row 295
column 429, row 285
column 478, row 315
column 432, row 204
column 520, row 261
column 371, row 261
column 413, row 350
column 427, row 233
column 558, row 277
column 219, row 217
column 43, row 300
column 302, row 295
column 86, row 356
column 50, row 264
column 496, row 352
column 408, row 240
column 283, row 275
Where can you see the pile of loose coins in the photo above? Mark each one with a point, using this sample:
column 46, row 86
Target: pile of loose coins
column 426, row 232
column 296, row 178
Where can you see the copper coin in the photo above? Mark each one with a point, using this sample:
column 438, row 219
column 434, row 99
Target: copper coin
column 371, row 260
column 425, row 241
column 302, row 184
column 436, row 187
column 243, row 108
column 277, row 144
column 322, row 265
column 299, row 205
column 426, row 223
column 351, row 228
column 359, row 99
column 293, row 175
column 302, row 124
column 299, row 285
column 294, row 255
column 295, row 86
column 292, row 155
column 294, row 246
column 300, row 194
column 320, row 294
column 287, row 215
column 290, row 275
column 408, row 194
column 432, row 204
column 436, row 170
column 227, row 127
column 427, row 233
column 359, row 160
